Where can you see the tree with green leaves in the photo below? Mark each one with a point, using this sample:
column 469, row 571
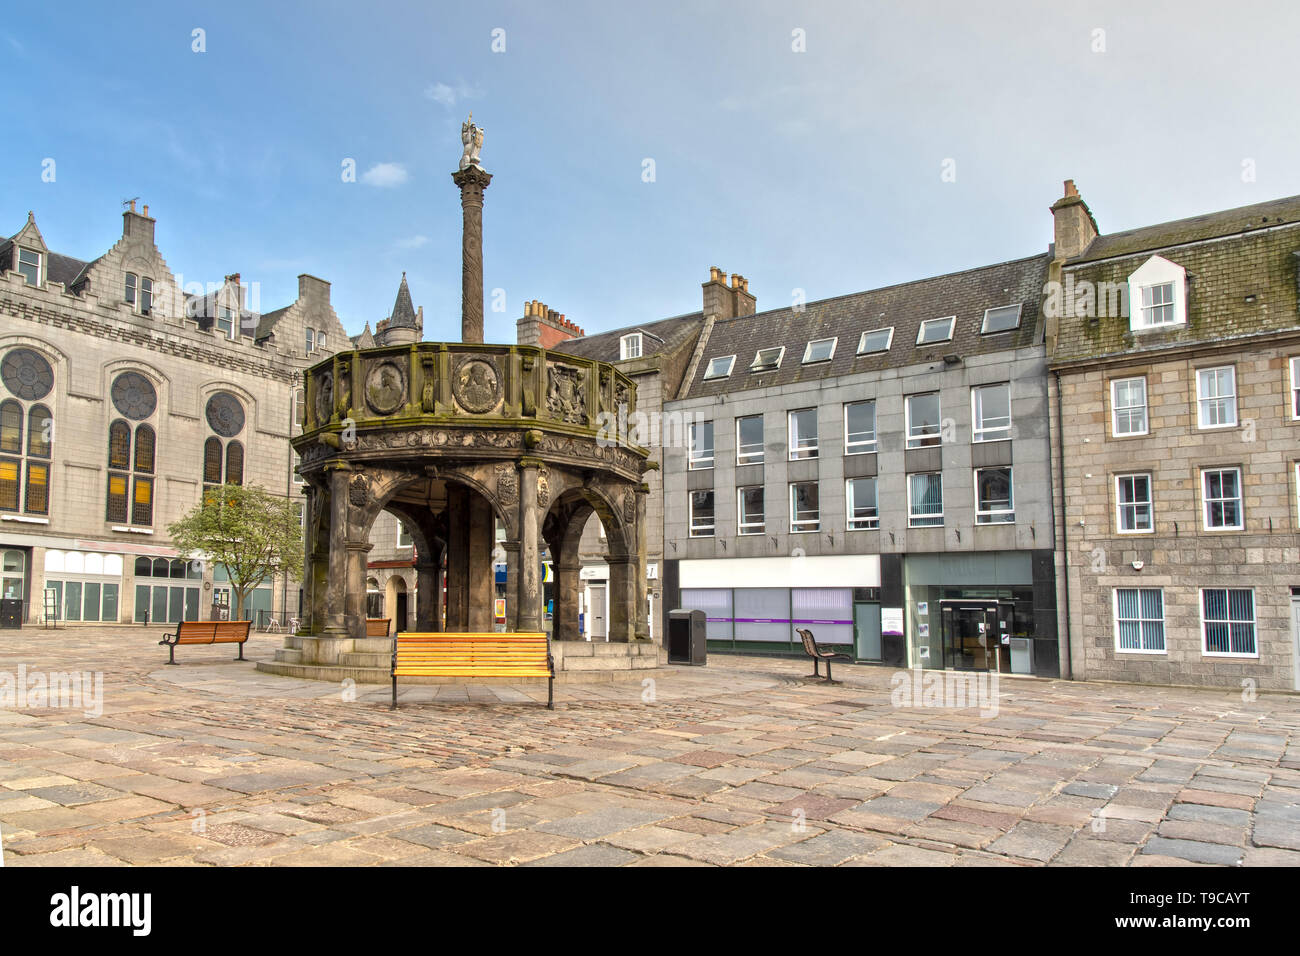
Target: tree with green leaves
column 253, row 533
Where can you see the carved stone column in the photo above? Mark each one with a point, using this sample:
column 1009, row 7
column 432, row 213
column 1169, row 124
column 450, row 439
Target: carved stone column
column 530, row 555
column 354, row 588
column 481, row 575
column 472, row 181
column 565, row 588
column 641, row 625
column 622, row 598
column 428, row 592
column 512, row 584
column 337, row 563
column 457, row 557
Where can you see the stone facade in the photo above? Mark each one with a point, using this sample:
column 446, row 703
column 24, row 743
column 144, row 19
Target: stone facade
column 169, row 354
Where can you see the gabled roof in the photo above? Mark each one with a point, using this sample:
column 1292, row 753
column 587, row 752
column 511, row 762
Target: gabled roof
column 665, row 335
column 266, row 324
column 966, row 295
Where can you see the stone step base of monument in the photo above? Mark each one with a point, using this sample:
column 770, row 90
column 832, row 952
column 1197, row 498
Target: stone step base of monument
column 367, row 661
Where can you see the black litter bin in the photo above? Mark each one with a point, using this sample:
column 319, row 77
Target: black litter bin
column 686, row 637
column 11, row 613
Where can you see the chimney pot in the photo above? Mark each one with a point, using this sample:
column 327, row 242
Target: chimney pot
column 146, row 209
column 1069, row 188
column 133, row 205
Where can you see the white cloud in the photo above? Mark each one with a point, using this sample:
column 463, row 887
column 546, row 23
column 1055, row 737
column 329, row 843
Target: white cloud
column 385, row 175
column 448, row 95
column 414, row 242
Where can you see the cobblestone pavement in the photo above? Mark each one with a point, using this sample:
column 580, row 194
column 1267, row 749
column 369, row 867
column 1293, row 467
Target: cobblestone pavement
column 741, row 762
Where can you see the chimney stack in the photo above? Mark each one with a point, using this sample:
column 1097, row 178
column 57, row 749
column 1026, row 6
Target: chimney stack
column 727, row 302
column 1073, row 225
column 136, row 225
column 542, row 325
column 311, row 288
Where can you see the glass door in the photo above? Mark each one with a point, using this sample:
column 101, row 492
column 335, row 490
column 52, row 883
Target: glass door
column 970, row 635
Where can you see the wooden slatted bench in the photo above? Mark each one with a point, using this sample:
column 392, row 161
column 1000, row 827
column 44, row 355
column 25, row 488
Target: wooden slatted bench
column 207, row 632
column 452, row 654
column 377, row 626
column 811, row 648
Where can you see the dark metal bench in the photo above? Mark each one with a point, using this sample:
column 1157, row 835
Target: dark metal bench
column 818, row 655
column 207, row 632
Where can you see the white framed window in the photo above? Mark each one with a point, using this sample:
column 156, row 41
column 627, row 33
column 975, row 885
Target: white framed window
column 720, row 367
column 1221, row 493
column 925, row 499
column 862, row 507
column 991, row 412
column 1004, row 318
column 1228, row 622
column 1140, row 620
column 877, row 340
column 819, row 350
column 935, row 330
column 805, row 509
column 749, row 510
column 128, row 293
column 311, row 340
column 29, row 265
column 146, row 296
column 629, row 346
column 1134, row 509
column 1295, row 388
column 923, row 421
column 859, row 427
column 701, row 514
column 1156, row 295
column 803, row 434
column 1128, row 403
column 1216, row 397
column 701, row 455
column 1297, row 491
column 226, row 323
column 403, row 536
column 320, row 339
column 749, row 440
column 767, row 359
column 993, row 496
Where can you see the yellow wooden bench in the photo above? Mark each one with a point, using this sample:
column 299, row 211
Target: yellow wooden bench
column 207, row 632
column 504, row 655
column 377, row 626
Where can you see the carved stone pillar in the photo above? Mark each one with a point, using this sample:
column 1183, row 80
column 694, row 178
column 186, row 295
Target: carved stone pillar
column 472, row 181
column 428, row 588
column 512, row 584
column 457, row 557
column 337, row 562
column 530, row 555
column 482, row 576
column 564, row 590
column 641, row 626
column 622, row 598
column 354, row 588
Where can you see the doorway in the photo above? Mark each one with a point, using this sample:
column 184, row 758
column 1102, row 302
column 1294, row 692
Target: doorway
column 971, row 638
column 596, row 610
column 866, row 632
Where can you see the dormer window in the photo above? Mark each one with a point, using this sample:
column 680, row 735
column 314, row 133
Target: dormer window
column 29, row 264
column 146, row 296
column 767, row 359
column 820, row 350
column 629, row 346
column 1157, row 295
column 226, row 323
column 1002, row 319
column 877, row 340
column 935, row 330
column 720, row 367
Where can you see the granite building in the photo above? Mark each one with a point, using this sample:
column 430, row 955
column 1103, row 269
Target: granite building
column 1175, row 393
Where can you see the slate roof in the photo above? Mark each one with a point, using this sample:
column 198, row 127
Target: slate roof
column 663, row 335
column 964, row 294
column 1229, row 222
column 266, row 323
column 58, row 268
column 403, row 314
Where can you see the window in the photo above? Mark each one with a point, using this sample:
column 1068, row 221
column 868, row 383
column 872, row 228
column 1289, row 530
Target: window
column 805, row 511
column 1216, row 397
column 860, row 495
column 749, row 440
column 26, row 432
column 923, row 426
column 877, row 340
column 1221, row 488
column 991, row 412
column 311, row 341
column 29, row 264
column 223, row 456
column 935, row 330
column 128, row 473
column 859, row 427
column 320, row 339
column 720, row 367
column 767, row 359
column 629, row 346
column 1133, row 505
column 925, row 500
column 821, row 350
column 1229, row 620
column 701, row 445
column 226, row 323
column 1128, row 402
column 128, row 294
column 803, row 434
column 403, row 536
column 1002, row 319
column 1140, row 620
column 146, row 296
column 993, row 499
column 749, row 503
column 1155, row 295
column 701, row 514
column 1295, row 388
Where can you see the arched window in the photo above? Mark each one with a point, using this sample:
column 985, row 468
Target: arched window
column 130, row 477
column 25, row 464
column 223, row 453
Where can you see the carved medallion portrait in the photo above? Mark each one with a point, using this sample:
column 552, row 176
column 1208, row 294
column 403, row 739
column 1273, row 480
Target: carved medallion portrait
column 477, row 386
column 386, row 388
column 324, row 397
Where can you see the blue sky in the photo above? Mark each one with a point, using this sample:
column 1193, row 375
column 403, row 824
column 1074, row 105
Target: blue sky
column 818, row 170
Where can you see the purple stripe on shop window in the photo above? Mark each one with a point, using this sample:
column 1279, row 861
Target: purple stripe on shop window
column 773, row 620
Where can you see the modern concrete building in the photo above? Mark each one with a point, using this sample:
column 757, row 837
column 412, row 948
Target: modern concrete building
column 1175, row 393
column 121, row 396
column 873, row 467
